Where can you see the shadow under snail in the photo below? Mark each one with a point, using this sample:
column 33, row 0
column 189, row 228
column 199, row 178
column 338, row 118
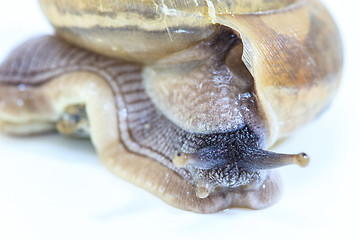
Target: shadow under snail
column 181, row 97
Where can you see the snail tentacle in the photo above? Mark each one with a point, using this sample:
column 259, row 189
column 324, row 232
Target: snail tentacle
column 258, row 159
column 183, row 98
column 138, row 143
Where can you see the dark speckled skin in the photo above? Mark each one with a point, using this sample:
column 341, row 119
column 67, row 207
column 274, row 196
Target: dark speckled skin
column 190, row 100
column 40, row 66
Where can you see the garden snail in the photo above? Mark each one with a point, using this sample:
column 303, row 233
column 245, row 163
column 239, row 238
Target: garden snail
column 180, row 97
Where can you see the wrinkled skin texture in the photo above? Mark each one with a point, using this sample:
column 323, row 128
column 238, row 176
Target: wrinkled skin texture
column 189, row 121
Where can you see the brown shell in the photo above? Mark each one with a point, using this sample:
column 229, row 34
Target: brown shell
column 291, row 47
column 187, row 79
column 295, row 57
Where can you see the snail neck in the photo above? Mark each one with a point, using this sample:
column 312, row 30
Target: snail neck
column 207, row 88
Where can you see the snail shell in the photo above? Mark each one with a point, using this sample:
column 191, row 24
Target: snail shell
column 185, row 96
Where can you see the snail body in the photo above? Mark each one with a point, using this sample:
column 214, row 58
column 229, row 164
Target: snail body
column 179, row 97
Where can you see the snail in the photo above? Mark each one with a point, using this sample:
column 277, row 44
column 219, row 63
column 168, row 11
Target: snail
column 182, row 98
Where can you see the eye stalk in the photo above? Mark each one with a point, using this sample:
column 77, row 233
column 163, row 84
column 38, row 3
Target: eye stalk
column 302, row 159
column 212, row 167
column 255, row 159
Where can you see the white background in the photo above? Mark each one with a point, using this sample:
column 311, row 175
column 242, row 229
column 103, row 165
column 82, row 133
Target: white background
column 55, row 188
